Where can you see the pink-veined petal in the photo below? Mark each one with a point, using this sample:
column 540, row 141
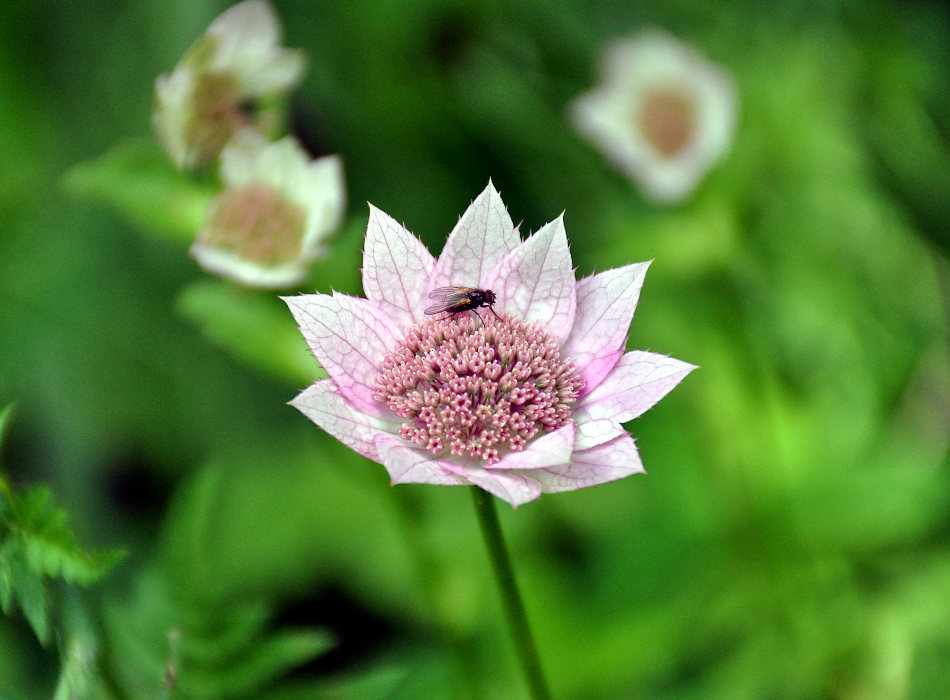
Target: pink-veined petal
column 549, row 450
column 328, row 408
column 605, row 305
column 598, row 368
column 639, row 380
column 396, row 269
column 350, row 337
column 590, row 433
column 408, row 464
column 482, row 236
column 608, row 462
column 508, row 486
column 535, row 281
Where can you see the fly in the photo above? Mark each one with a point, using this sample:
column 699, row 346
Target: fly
column 455, row 300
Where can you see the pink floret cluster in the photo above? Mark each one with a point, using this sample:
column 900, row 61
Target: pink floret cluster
column 471, row 387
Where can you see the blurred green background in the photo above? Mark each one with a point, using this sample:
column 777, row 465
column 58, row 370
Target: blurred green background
column 792, row 537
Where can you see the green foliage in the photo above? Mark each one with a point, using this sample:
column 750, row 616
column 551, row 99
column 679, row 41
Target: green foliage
column 137, row 180
column 37, row 546
column 177, row 637
column 791, row 538
column 164, row 643
column 41, row 566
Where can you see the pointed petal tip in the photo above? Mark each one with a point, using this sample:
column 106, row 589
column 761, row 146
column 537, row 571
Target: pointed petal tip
column 483, row 235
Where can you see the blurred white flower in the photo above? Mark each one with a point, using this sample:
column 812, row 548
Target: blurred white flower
column 277, row 208
column 661, row 113
column 218, row 87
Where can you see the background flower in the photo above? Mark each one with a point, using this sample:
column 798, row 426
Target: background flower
column 219, row 87
column 276, row 209
column 662, row 114
column 515, row 408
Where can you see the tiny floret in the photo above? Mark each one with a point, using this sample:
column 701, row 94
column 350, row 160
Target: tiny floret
column 527, row 399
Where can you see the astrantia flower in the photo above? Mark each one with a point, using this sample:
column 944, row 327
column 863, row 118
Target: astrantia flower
column 276, row 209
column 527, row 403
column 662, row 114
column 217, row 88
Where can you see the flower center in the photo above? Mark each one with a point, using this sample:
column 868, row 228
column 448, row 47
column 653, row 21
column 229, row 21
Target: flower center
column 471, row 387
column 667, row 119
column 219, row 113
column 257, row 223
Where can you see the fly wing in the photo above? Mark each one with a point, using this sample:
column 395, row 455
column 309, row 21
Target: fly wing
column 444, row 292
column 449, row 298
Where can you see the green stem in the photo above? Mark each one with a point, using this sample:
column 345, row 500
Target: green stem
column 514, row 608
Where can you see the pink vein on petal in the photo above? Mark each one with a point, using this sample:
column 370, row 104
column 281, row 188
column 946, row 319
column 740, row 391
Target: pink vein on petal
column 590, row 433
column 535, row 281
column 639, row 380
column 407, row 464
column 605, row 306
column 549, row 450
column 482, row 236
column 396, row 269
column 513, row 488
column 607, row 462
column 328, row 408
column 349, row 336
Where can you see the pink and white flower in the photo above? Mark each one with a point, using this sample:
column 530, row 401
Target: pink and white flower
column 532, row 402
column 273, row 217
column 220, row 85
column 662, row 114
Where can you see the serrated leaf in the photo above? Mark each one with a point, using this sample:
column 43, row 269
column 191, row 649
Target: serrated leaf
column 137, row 180
column 49, row 545
column 255, row 327
column 260, row 663
column 37, row 545
column 211, row 649
column 29, row 591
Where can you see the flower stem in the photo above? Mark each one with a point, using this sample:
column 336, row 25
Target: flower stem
column 514, row 608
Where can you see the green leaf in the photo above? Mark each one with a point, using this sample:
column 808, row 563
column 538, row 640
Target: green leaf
column 137, row 180
column 37, row 546
column 78, row 672
column 26, row 588
column 49, row 545
column 255, row 327
column 5, row 420
column 202, row 648
column 258, row 664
